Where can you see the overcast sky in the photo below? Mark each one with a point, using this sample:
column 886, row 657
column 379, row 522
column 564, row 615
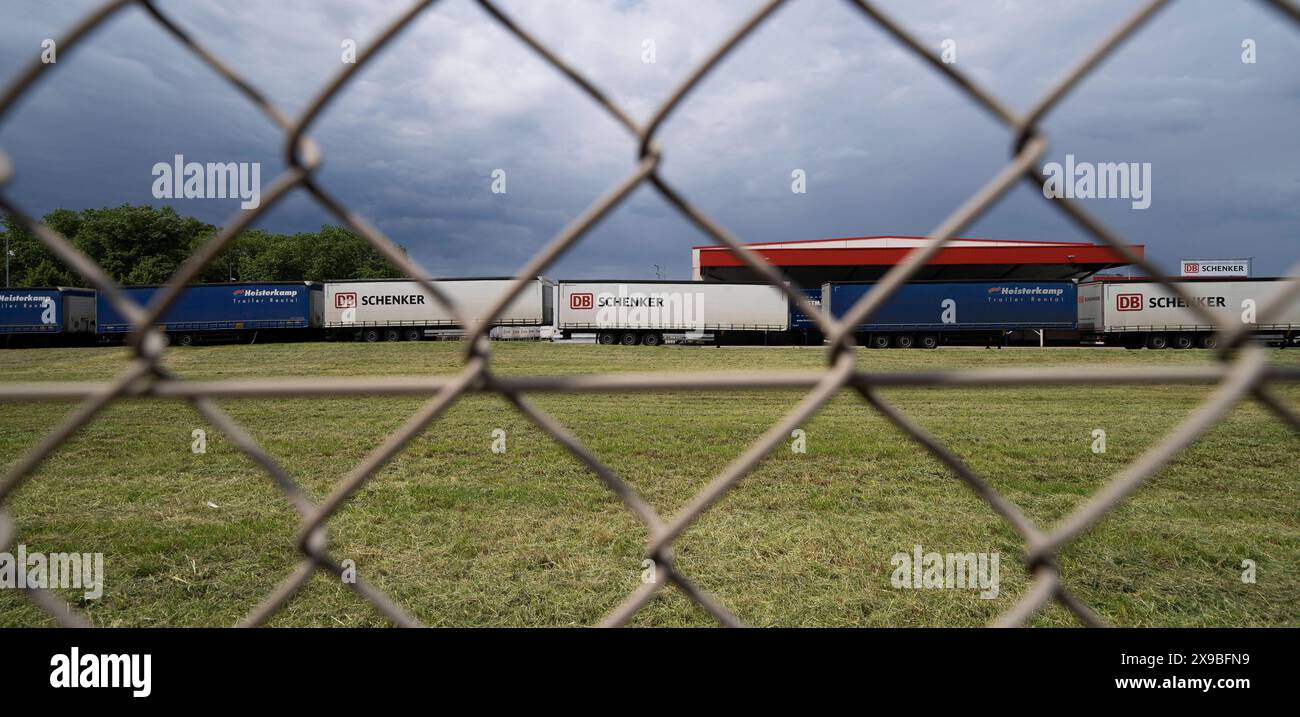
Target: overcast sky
column 887, row 145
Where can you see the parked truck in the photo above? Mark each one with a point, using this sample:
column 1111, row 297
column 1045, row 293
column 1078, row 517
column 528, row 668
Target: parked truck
column 1138, row 313
column 804, row 328
column 46, row 315
column 237, row 311
column 648, row 312
column 399, row 309
column 927, row 314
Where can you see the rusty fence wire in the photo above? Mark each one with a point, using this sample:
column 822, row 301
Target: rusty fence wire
column 1240, row 373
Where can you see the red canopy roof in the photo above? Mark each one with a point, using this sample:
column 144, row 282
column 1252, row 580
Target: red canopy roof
column 857, row 258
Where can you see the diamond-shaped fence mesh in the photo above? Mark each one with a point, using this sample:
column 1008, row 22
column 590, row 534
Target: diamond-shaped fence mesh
column 1241, row 372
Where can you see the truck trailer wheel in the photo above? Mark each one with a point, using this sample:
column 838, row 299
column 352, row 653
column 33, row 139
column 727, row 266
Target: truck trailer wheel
column 413, row 334
column 904, row 341
column 606, row 338
column 1183, row 341
column 1157, row 341
column 1208, row 341
column 392, row 335
column 629, row 338
column 929, row 341
column 880, row 341
column 651, row 338
column 185, row 339
column 370, row 335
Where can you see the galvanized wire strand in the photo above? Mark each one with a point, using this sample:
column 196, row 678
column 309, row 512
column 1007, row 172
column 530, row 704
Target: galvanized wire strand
column 634, row 502
column 1080, row 609
column 1084, row 67
column 76, row 260
column 916, row 259
column 1275, row 404
column 35, row 69
column 1043, row 587
column 253, row 94
column 397, row 440
column 1284, row 6
column 1243, row 378
column 387, row 249
column 824, row 391
column 342, row 387
column 1027, row 132
column 1239, row 374
column 982, row 98
column 1289, row 292
column 752, row 261
column 1009, row 512
column 208, row 251
column 52, row 441
column 561, row 243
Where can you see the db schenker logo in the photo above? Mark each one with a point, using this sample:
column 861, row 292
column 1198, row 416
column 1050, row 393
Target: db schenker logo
column 582, row 301
column 345, row 300
column 1191, row 267
column 1128, row 302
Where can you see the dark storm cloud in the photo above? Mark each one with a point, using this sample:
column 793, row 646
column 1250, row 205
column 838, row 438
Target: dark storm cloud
column 888, row 146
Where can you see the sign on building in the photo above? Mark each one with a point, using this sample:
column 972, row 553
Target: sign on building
column 1216, row 267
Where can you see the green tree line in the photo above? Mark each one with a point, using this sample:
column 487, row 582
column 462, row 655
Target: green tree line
column 145, row 245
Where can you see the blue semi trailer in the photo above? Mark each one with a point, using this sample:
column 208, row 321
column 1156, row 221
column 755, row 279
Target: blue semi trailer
column 46, row 315
column 803, row 329
column 929, row 313
column 257, row 311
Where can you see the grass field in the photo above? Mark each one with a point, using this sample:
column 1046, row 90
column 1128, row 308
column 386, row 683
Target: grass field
column 459, row 535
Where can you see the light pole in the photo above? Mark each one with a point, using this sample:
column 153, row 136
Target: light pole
column 659, row 274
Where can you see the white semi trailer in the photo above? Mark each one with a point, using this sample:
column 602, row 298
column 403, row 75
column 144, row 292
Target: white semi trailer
column 645, row 312
column 1137, row 313
column 399, row 309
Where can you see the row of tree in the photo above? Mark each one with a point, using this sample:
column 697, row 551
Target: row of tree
column 145, row 245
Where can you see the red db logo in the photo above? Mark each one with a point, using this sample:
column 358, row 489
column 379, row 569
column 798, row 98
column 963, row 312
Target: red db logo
column 582, row 301
column 345, row 300
column 1128, row 302
column 1191, row 267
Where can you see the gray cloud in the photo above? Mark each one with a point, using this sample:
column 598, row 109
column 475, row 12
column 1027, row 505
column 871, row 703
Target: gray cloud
column 889, row 147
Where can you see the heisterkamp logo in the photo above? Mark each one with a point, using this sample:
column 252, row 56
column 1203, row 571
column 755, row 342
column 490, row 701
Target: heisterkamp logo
column 246, row 296
column 23, row 298
column 49, row 312
column 1025, row 293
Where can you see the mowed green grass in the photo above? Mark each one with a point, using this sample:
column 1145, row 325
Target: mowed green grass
column 459, row 535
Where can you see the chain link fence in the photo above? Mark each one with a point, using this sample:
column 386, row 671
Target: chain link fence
column 1241, row 371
